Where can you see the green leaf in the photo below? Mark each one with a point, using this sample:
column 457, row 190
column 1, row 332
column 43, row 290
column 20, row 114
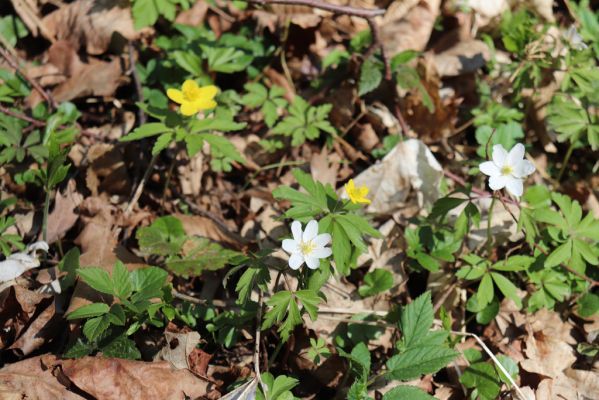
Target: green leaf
column 310, row 300
column 147, row 282
column 94, row 327
column 199, row 255
column 282, row 305
column 97, row 279
column 506, row 287
column 146, row 130
column 341, row 248
column 405, row 392
column 121, row 347
column 559, row 255
column 371, row 75
column 588, row 305
column 278, row 389
column 416, row 319
column 89, row 310
column 376, row 281
column 483, row 377
column 419, row 360
column 164, row 237
column 485, row 292
column 120, row 280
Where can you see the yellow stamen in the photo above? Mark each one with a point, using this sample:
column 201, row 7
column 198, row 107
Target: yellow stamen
column 506, row 170
column 307, row 247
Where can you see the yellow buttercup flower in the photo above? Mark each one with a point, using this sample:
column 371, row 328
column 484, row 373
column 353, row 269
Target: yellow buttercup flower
column 193, row 98
column 357, row 195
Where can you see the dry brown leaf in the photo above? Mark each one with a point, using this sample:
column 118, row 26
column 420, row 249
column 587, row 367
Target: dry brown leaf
column 91, row 24
column 463, row 58
column 195, row 15
column 178, row 348
column 107, row 171
column 324, row 167
column 32, row 379
column 409, row 31
column 205, row 227
column 409, row 166
column 64, row 215
column 113, row 378
column 39, row 332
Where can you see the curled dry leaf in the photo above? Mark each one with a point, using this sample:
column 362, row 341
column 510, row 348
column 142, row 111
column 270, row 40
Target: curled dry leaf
column 409, row 166
column 17, row 308
column 91, row 23
column 178, row 348
column 39, row 332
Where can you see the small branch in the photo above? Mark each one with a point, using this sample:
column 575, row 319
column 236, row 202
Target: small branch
column 141, row 115
column 337, row 9
column 14, row 64
column 142, row 184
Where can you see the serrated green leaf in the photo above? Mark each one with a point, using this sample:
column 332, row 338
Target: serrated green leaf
column 405, row 392
column 146, row 130
column 416, row 319
column 94, row 327
column 371, row 75
column 419, row 360
column 376, row 281
column 89, row 311
column 97, row 278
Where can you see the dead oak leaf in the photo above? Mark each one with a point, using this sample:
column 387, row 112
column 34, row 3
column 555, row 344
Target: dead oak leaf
column 64, row 215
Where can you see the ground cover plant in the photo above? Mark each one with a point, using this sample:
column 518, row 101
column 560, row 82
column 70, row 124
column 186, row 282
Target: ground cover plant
column 299, row 199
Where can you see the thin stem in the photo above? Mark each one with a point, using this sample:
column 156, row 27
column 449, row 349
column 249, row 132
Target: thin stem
column 257, row 344
column 141, row 185
column 566, row 159
column 489, row 236
column 45, row 216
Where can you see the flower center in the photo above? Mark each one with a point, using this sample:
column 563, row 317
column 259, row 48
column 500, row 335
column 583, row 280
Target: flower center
column 191, row 94
column 506, row 170
column 307, row 247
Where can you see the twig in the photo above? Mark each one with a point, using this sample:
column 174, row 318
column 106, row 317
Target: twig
column 338, row 9
column 141, row 185
column 195, row 300
column 519, row 392
column 257, row 343
column 15, row 65
column 141, row 115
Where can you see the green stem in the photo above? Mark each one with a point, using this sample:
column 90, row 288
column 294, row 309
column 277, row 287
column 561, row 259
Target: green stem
column 489, row 237
column 566, row 159
column 45, row 216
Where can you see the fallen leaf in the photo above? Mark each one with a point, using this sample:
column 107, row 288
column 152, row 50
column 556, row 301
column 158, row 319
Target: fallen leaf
column 463, row 58
column 409, row 166
column 33, row 379
column 178, row 348
column 91, row 23
column 64, row 215
column 107, row 171
column 39, row 332
column 114, row 378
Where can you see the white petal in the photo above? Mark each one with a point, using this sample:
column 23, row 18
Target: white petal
column 523, row 169
column 311, row 231
column 498, row 182
column 322, row 240
column 312, row 263
column 499, row 155
column 489, row 168
column 296, row 230
column 516, row 155
column 515, row 186
column 290, row 246
column 41, row 245
column 296, row 260
column 321, row 252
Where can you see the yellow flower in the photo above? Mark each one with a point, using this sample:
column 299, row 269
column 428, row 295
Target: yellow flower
column 356, row 195
column 193, row 98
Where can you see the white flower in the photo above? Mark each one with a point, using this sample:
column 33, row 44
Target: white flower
column 16, row 264
column 574, row 39
column 507, row 170
column 307, row 246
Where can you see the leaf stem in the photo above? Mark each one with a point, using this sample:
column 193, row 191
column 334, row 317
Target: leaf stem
column 489, row 237
column 566, row 159
column 45, row 216
column 141, row 185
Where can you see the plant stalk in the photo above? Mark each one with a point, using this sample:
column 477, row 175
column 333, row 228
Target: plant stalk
column 489, row 237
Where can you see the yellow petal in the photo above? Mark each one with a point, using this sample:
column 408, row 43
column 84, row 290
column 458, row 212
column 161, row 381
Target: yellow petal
column 175, row 95
column 204, row 104
column 350, row 186
column 363, row 191
column 208, row 92
column 189, row 85
column 188, row 109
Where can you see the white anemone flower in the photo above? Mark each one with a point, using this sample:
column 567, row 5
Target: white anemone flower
column 574, row 39
column 508, row 170
column 307, row 246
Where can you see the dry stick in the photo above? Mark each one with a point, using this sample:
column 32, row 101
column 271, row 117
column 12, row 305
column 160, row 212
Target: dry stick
column 141, row 185
column 495, row 360
column 536, row 246
column 355, row 11
column 15, row 65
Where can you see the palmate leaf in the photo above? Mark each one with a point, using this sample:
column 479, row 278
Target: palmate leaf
column 304, row 122
column 163, row 237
